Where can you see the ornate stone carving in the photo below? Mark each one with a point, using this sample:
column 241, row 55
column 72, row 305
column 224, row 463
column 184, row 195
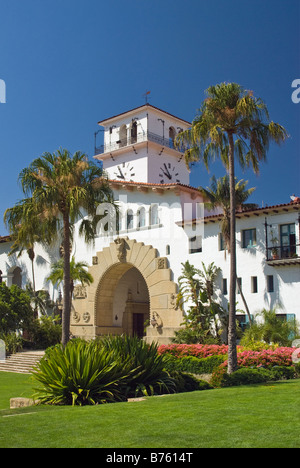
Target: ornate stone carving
column 121, row 248
column 95, row 260
column 173, row 301
column 162, row 263
column 76, row 317
column 86, row 317
column 80, row 292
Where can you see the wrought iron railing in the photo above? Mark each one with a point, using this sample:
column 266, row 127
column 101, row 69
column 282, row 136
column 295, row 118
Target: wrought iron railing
column 140, row 137
column 283, row 252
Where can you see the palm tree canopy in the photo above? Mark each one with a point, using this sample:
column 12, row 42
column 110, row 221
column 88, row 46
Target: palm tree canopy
column 65, row 184
column 78, row 272
column 231, row 110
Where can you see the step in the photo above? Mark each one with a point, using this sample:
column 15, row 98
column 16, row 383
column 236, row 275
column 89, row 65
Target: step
column 22, row 362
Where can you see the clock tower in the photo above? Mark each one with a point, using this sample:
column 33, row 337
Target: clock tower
column 139, row 147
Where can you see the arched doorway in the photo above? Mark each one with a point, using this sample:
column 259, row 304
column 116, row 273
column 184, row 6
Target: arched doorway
column 132, row 283
column 123, row 301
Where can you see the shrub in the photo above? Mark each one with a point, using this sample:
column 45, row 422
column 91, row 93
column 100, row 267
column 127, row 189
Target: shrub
column 196, row 350
column 15, row 309
column 81, row 373
column 248, row 376
column 195, row 365
column 45, row 332
column 267, row 357
column 13, row 343
column 148, row 368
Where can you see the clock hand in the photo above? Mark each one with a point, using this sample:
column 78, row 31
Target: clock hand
column 121, row 176
column 167, row 173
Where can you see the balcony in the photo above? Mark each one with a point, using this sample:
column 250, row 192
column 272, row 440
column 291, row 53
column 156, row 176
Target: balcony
column 136, row 139
column 283, row 255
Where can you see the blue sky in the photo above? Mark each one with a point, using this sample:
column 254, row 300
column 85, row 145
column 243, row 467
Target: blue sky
column 69, row 63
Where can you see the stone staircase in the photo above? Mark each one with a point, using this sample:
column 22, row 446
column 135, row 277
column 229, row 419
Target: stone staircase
column 21, row 363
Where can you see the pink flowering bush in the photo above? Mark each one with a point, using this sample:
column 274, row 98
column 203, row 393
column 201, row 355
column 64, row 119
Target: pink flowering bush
column 196, row 350
column 246, row 358
column 266, row 357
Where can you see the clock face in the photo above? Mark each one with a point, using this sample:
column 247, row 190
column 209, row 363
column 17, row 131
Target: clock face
column 168, row 173
column 125, row 171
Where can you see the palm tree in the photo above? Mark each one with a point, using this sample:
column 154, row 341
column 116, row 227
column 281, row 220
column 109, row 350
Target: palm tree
column 26, row 230
column 64, row 188
column 231, row 123
column 218, row 196
column 77, row 273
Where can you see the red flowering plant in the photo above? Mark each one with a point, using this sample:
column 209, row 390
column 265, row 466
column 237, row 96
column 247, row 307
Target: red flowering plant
column 246, row 358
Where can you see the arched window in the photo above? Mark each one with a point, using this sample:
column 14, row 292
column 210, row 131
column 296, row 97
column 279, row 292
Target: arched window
column 154, row 219
column 123, row 136
column 172, row 135
column 14, row 276
column 129, row 220
column 141, row 215
column 134, row 132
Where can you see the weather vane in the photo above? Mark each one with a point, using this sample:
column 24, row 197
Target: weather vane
column 146, row 96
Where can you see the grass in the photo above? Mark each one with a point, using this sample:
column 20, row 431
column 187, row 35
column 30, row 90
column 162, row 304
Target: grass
column 258, row 416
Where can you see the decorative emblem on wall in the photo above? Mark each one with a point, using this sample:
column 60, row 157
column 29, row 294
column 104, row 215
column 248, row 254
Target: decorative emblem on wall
column 86, row 317
column 95, row 260
column 79, row 292
column 173, row 301
column 76, row 317
column 162, row 263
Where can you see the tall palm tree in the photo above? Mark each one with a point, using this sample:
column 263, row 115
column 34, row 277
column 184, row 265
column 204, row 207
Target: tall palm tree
column 231, row 123
column 65, row 188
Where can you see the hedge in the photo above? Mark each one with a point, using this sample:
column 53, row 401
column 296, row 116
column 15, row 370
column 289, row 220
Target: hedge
column 195, row 365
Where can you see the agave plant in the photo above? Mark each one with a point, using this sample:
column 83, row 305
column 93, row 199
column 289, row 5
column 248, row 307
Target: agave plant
column 148, row 369
column 81, row 373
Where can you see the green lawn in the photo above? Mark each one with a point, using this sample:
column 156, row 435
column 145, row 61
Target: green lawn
column 251, row 416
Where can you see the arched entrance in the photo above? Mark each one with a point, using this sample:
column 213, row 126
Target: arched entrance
column 132, row 284
column 123, row 300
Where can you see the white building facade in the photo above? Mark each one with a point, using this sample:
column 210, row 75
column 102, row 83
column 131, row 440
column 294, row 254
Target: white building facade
column 162, row 224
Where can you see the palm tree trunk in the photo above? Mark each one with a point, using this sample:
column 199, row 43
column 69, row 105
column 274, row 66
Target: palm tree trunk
column 66, row 289
column 245, row 302
column 232, row 349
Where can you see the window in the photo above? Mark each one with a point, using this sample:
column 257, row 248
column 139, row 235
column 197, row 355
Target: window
column 270, row 283
column 141, row 215
column 195, row 244
column 224, row 286
column 221, row 242
column 168, row 250
column 287, row 240
column 243, row 321
column 123, row 136
column 248, row 238
column 254, row 284
column 134, row 132
column 129, row 221
column 154, row 219
column 172, row 135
